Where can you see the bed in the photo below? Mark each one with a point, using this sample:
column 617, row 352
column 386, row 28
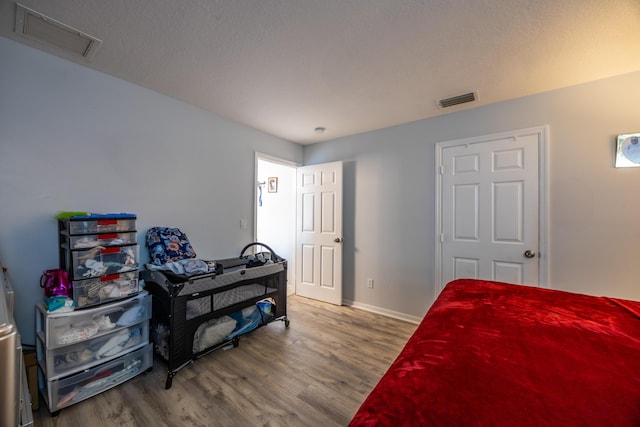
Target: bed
column 497, row 354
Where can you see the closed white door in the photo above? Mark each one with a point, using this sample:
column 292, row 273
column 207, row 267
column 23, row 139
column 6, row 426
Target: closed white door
column 490, row 211
column 319, row 232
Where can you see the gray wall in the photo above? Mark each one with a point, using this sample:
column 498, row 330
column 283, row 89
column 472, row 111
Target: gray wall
column 75, row 139
column 593, row 207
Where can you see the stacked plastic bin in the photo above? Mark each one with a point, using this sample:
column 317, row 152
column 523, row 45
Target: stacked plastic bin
column 104, row 341
column 85, row 352
column 100, row 254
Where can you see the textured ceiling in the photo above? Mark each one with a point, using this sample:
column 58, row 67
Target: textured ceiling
column 288, row 66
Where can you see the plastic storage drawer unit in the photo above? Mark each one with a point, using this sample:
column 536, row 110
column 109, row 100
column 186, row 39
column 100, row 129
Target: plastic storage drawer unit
column 101, row 261
column 64, row 361
column 75, row 388
column 97, row 225
column 105, row 289
column 104, row 239
column 61, row 329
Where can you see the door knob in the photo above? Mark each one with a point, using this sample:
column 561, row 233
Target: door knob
column 337, row 240
column 529, row 254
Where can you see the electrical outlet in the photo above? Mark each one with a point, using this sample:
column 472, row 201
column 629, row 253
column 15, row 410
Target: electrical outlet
column 370, row 283
column 243, row 224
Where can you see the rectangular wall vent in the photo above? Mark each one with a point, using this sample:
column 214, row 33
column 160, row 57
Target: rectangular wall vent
column 41, row 28
column 457, row 100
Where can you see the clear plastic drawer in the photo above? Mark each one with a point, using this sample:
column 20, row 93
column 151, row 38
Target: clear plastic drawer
column 105, row 289
column 103, row 239
column 66, row 360
column 102, row 261
column 98, row 225
column 75, row 388
column 62, row 329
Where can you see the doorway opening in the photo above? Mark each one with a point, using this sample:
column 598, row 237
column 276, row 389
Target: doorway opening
column 275, row 209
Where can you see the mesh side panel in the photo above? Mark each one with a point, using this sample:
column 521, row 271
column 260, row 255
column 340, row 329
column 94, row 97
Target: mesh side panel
column 229, row 277
column 198, row 307
column 241, row 293
column 181, row 351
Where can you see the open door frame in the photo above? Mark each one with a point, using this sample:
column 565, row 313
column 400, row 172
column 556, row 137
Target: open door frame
column 283, row 199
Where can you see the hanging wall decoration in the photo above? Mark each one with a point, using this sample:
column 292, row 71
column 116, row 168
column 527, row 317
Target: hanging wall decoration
column 628, row 150
column 273, row 184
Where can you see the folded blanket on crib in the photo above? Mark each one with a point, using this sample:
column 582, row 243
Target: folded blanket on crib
column 187, row 267
column 175, row 274
column 168, row 244
column 171, row 252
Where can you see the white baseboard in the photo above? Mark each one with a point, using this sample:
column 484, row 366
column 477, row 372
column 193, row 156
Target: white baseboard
column 383, row 311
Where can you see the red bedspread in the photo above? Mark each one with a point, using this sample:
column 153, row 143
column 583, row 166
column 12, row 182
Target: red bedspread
column 494, row 354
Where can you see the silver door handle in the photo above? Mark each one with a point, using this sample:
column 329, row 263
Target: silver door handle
column 529, row 254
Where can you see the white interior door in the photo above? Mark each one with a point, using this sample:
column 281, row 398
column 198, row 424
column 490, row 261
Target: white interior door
column 319, row 232
column 490, row 208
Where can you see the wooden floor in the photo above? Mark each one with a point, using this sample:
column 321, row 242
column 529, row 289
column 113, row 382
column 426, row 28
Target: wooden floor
column 317, row 372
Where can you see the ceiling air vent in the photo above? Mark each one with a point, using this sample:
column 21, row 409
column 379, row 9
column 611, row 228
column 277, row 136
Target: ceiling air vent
column 41, row 28
column 457, row 100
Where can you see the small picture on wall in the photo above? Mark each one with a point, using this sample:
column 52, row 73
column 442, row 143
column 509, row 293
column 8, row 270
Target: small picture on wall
column 628, row 151
column 272, row 184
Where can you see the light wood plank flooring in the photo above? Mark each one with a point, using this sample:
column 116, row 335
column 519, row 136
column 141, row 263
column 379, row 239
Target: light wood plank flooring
column 317, row 372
